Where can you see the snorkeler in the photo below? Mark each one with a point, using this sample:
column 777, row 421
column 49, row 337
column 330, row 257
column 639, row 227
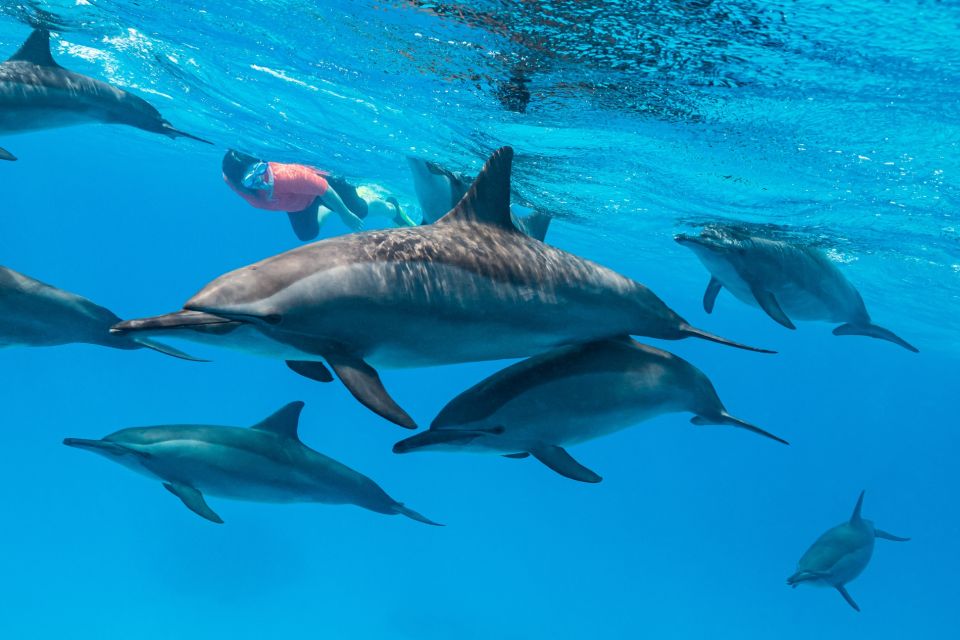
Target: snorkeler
column 305, row 193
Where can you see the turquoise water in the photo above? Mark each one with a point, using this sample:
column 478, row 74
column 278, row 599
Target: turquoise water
column 838, row 123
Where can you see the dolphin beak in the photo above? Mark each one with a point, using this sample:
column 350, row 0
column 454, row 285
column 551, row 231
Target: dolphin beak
column 176, row 320
column 81, row 443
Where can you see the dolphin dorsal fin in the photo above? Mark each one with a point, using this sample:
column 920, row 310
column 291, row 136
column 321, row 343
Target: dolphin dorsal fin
column 36, row 49
column 856, row 510
column 283, row 422
column 488, row 200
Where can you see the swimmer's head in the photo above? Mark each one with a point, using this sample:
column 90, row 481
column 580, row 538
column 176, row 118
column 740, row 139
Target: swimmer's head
column 235, row 165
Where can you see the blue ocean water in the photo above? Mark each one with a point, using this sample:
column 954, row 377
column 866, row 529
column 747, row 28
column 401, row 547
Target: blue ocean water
column 836, row 122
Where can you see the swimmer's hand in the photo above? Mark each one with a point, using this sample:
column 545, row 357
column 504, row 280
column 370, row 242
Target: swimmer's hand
column 352, row 221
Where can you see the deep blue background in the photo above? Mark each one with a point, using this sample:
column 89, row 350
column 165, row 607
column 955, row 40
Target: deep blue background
column 692, row 531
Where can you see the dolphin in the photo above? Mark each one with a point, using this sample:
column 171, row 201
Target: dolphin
column 470, row 287
column 841, row 554
column 568, row 396
column 785, row 280
column 37, row 93
column 35, row 314
column 439, row 190
column 265, row 463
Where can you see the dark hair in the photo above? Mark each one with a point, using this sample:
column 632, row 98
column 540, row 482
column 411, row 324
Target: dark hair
column 234, row 165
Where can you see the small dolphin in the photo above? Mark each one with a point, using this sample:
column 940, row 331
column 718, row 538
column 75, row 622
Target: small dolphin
column 571, row 395
column 785, row 280
column 265, row 463
column 841, row 554
column 439, row 190
column 470, row 287
column 34, row 314
column 37, row 93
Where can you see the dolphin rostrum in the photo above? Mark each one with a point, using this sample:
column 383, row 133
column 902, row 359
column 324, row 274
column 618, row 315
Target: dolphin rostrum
column 34, row 314
column 841, row 554
column 37, row 93
column 785, row 280
column 470, row 287
column 568, row 396
column 265, row 463
column 439, row 190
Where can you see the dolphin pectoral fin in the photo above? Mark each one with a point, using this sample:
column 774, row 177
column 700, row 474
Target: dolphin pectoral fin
column 310, row 369
column 563, row 463
column 362, row 381
column 517, row 456
column 846, row 596
column 6, row 155
column 727, row 419
column 710, row 295
column 167, row 350
column 873, row 331
column 193, row 500
column 880, row 533
column 768, row 302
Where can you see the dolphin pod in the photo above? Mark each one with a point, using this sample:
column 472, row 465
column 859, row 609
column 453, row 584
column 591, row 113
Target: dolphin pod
column 470, row 287
column 841, row 554
column 785, row 280
column 37, row 93
column 571, row 395
column 35, row 314
column 264, row 463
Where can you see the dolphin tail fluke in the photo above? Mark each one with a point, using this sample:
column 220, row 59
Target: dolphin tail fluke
column 167, row 349
column 847, row 597
column 6, row 155
column 686, row 331
column 169, row 130
column 413, row 515
column 880, row 533
column 873, row 331
column 534, row 225
column 727, row 419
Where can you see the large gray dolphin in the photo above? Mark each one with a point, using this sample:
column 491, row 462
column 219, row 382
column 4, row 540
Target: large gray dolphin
column 840, row 555
column 568, row 396
column 265, row 463
column 470, row 287
column 785, row 280
column 37, row 93
column 34, row 314
column 439, row 190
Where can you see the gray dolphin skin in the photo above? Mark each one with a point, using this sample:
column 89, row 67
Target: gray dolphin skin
column 35, row 314
column 841, row 554
column 787, row 281
column 264, row 463
column 37, row 93
column 571, row 395
column 470, row 287
column 439, row 190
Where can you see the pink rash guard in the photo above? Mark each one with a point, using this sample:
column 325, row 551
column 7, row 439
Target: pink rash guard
column 295, row 187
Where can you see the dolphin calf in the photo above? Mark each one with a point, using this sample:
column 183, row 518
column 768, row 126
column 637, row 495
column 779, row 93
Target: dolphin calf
column 265, row 463
column 37, row 93
column 439, row 190
column 568, row 396
column 785, row 280
column 841, row 554
column 35, row 314
column 470, row 287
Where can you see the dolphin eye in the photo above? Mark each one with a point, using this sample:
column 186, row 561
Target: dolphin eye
column 273, row 318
